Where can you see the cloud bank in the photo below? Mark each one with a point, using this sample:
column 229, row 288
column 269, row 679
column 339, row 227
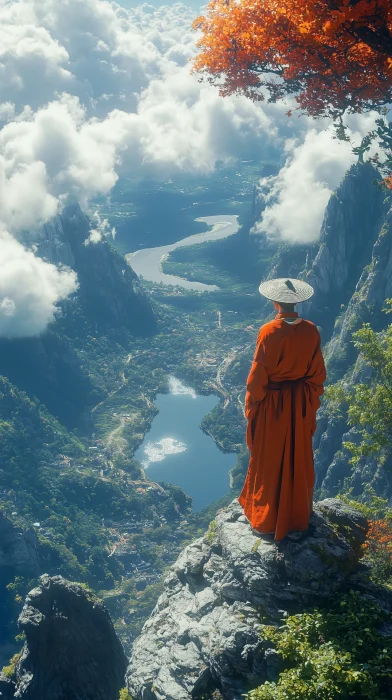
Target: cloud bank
column 90, row 89
column 297, row 197
column 30, row 289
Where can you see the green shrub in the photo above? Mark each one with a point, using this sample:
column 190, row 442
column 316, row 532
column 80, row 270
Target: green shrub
column 334, row 653
column 10, row 669
column 211, row 532
column 124, row 695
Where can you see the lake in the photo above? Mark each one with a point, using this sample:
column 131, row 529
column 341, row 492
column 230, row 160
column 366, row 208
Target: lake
column 147, row 263
column 177, row 451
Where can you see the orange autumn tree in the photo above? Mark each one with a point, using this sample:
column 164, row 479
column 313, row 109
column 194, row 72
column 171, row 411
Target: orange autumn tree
column 333, row 56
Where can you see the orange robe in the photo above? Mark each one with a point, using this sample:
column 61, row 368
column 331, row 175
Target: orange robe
column 283, row 389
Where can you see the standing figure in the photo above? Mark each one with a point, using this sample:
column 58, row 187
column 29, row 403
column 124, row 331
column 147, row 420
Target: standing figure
column 283, row 394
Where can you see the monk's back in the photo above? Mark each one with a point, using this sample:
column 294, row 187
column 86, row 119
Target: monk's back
column 283, row 390
column 288, row 348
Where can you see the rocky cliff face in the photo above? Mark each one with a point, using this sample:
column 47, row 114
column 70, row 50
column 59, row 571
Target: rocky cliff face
column 204, row 632
column 352, row 276
column 71, row 650
column 352, row 222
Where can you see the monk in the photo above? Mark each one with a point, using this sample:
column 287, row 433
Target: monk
column 283, row 394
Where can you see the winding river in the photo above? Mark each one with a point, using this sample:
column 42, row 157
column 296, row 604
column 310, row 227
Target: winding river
column 147, row 263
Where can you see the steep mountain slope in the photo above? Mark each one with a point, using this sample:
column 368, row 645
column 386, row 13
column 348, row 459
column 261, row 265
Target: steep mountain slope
column 352, row 222
column 109, row 291
column 109, row 302
column 49, row 368
column 352, row 275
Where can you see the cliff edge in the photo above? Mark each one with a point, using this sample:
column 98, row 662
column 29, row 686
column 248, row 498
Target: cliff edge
column 204, row 632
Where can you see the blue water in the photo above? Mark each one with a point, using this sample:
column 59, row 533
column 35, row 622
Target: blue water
column 177, row 451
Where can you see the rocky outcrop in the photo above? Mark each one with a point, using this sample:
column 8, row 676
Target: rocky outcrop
column 366, row 303
column 71, row 650
column 351, row 225
column 204, row 632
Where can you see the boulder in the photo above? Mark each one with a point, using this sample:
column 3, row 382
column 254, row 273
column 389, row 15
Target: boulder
column 71, row 651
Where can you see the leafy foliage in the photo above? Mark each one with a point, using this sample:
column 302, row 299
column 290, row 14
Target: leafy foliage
column 10, row 669
column 124, row 695
column 377, row 548
column 369, row 405
column 334, row 55
column 331, row 653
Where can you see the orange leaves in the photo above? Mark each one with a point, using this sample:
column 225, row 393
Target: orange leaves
column 379, row 538
column 318, row 50
column 379, row 533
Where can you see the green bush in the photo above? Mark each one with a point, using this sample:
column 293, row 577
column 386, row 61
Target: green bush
column 124, row 695
column 9, row 670
column 328, row 654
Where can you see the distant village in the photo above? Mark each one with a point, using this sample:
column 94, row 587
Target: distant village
column 140, row 569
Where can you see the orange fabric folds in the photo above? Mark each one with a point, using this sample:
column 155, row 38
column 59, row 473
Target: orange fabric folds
column 283, row 394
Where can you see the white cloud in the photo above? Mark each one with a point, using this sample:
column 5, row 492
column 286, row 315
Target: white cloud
column 7, row 112
column 29, row 290
column 185, row 126
column 48, row 157
column 59, row 152
column 107, row 56
column 297, row 197
column 94, row 49
column 102, row 229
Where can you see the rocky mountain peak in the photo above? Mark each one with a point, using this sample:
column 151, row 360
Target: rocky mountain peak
column 109, row 290
column 204, row 632
column 352, row 222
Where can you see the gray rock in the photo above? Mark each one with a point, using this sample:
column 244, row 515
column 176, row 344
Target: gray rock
column 352, row 221
column 204, row 631
column 332, row 460
column 71, row 649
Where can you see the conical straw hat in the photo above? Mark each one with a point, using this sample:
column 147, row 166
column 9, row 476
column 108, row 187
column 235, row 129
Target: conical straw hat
column 286, row 290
